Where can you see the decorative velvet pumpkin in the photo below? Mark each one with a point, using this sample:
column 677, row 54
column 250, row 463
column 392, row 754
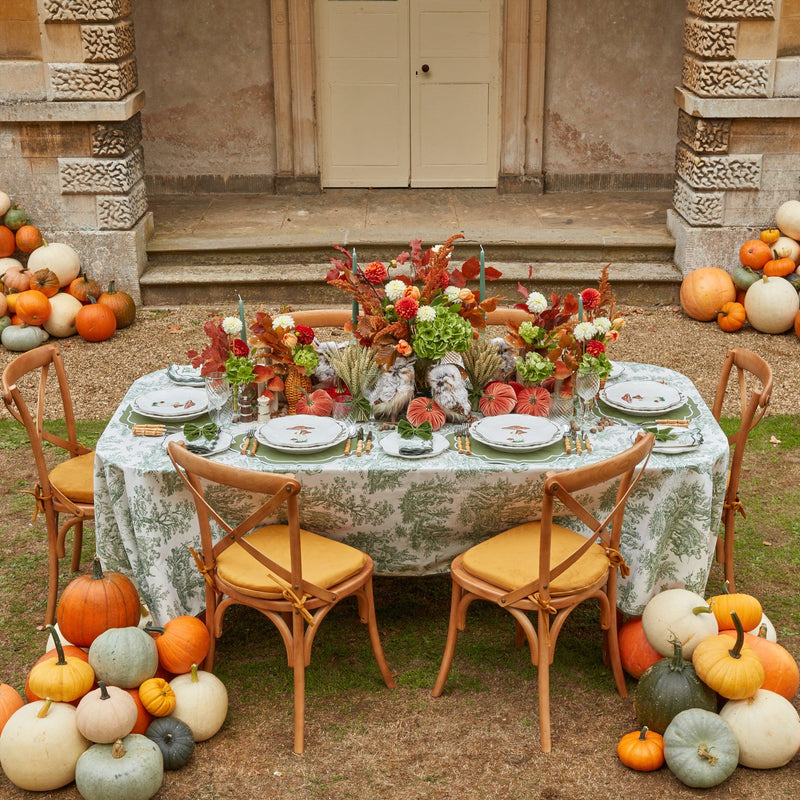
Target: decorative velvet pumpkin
column 10, row 701
column 747, row 607
column 82, row 288
column 157, row 697
column 201, row 702
column 70, row 651
column 497, row 398
column 425, row 409
column 183, row 641
column 64, row 309
column 641, row 750
column 58, row 257
column 121, row 303
column 106, row 714
column 124, row 657
column 677, row 614
column 771, row 305
column 700, row 748
column 8, row 242
column 534, row 400
column 129, row 769
column 174, row 738
column 704, row 291
column 33, row 307
column 45, row 281
column 28, row 238
column 731, row 317
column 62, row 678
column 95, row 322
column 781, row 673
column 766, row 727
column 636, row 652
column 40, row 746
column 319, row 404
column 91, row 604
column 668, row 687
column 735, row 671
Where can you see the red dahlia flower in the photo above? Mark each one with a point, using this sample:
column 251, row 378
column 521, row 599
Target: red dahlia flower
column 304, row 334
column 376, row 272
column 406, row 307
column 591, row 299
column 240, row 348
column 594, row 348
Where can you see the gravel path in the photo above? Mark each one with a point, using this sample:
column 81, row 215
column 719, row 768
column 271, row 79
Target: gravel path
column 100, row 373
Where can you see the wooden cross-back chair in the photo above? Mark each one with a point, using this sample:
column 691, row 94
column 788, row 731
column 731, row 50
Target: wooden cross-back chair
column 290, row 575
column 754, row 384
column 68, row 488
column 547, row 569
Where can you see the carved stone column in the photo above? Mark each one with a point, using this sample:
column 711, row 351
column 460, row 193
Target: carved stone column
column 738, row 127
column 76, row 162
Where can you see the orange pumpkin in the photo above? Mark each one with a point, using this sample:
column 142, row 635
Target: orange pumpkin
column 755, row 253
column 770, row 235
column 82, row 288
column 636, row 652
column 534, row 400
column 145, row 717
column 642, row 750
column 121, row 303
column 425, row 409
column 28, row 238
column 46, row 281
column 779, row 267
column 183, row 641
column 497, row 398
column 318, row 404
column 704, row 291
column 797, row 325
column 91, row 604
column 731, row 317
column 33, row 307
column 8, row 242
column 95, row 322
column 10, row 701
column 781, row 673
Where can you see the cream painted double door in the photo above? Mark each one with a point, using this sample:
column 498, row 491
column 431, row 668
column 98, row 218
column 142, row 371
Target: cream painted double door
column 408, row 92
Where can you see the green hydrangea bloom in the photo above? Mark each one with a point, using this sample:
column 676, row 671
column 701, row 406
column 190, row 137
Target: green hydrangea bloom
column 304, row 355
column 532, row 334
column 447, row 331
column 534, row 368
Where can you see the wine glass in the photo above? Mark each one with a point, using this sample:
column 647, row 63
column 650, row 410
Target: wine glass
column 587, row 384
column 220, row 399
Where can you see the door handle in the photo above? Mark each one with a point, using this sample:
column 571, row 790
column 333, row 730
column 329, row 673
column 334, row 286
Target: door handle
column 425, row 68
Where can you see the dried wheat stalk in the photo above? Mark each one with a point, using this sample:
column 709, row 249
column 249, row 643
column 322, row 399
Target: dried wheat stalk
column 355, row 367
column 481, row 362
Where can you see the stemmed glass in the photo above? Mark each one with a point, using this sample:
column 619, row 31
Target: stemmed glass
column 220, row 399
column 587, row 384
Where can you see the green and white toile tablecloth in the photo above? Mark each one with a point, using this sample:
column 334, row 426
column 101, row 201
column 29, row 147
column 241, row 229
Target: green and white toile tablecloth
column 412, row 516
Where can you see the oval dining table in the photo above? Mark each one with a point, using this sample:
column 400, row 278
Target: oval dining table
column 413, row 516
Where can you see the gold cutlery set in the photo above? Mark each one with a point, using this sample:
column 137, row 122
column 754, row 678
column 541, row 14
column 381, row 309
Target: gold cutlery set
column 363, row 443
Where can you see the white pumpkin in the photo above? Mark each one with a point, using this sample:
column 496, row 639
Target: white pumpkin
column 5, row 203
column 767, row 728
column 40, row 746
column 787, row 218
column 106, row 714
column 7, row 263
column 58, row 257
column 201, row 701
column 771, row 304
column 772, row 635
column 64, row 309
column 678, row 614
column 787, row 248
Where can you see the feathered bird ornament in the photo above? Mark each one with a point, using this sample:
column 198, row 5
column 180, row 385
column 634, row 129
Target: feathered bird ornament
column 508, row 354
column 449, row 390
column 324, row 374
column 393, row 390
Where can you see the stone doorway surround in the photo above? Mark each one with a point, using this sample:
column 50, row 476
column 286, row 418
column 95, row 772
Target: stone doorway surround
column 71, row 146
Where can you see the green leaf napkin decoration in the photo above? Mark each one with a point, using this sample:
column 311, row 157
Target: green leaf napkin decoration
column 408, row 431
column 192, row 432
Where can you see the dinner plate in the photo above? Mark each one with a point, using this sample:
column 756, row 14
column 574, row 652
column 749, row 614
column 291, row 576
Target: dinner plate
column 392, row 442
column 686, row 440
column 516, row 431
column 616, row 370
column 299, row 449
column 172, row 404
column 517, row 448
column 224, row 441
column 642, row 397
column 301, row 431
column 185, row 375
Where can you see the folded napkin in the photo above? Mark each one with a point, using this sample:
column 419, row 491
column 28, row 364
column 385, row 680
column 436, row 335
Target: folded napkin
column 200, row 439
column 415, row 447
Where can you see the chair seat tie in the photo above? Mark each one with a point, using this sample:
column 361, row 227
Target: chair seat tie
column 298, row 603
column 545, row 605
column 736, row 505
column 616, row 560
column 39, row 498
column 201, row 567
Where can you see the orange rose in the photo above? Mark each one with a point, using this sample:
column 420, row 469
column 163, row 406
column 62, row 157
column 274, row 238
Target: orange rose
column 289, row 340
column 403, row 348
column 466, row 296
column 411, row 291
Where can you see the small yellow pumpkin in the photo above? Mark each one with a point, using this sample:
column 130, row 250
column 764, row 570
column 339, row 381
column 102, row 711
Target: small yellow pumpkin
column 734, row 672
column 62, row 678
column 157, row 697
column 747, row 607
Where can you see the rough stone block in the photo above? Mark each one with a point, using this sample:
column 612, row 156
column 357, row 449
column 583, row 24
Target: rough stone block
column 704, row 135
column 725, row 78
column 102, row 175
column 718, row 172
column 700, row 208
column 732, row 9
column 121, row 212
column 108, row 42
column 787, row 77
column 86, row 10
column 93, row 81
column 708, row 39
column 54, row 140
column 116, row 139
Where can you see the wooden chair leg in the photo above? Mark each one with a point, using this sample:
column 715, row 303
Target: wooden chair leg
column 52, row 584
column 611, row 637
column 450, row 645
column 299, row 666
column 375, row 637
column 77, row 546
column 730, row 527
column 544, row 682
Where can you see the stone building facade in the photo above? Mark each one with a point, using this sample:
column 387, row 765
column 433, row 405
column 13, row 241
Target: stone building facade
column 73, row 145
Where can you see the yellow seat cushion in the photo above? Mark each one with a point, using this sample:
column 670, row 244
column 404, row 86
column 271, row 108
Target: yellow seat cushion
column 511, row 559
column 326, row 562
column 74, row 478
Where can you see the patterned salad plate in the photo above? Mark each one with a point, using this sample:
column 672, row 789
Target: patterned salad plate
column 645, row 398
column 173, row 405
column 301, row 433
column 516, row 433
